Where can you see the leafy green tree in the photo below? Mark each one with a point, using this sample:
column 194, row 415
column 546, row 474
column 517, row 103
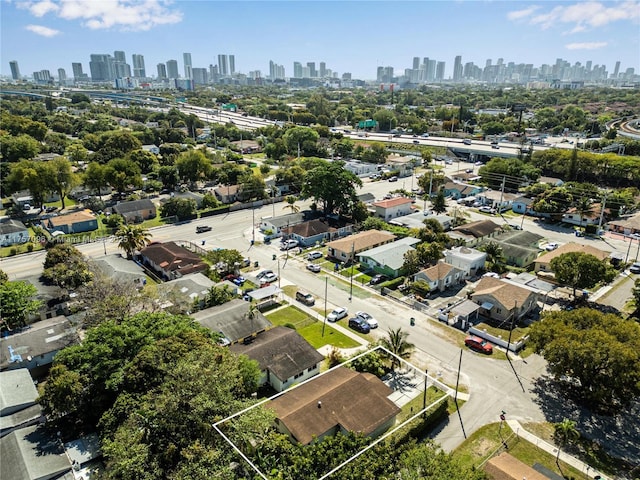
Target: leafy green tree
column 17, row 303
column 374, row 223
column 396, row 342
column 95, row 176
column 122, row 142
column 60, row 177
column 121, row 174
column 218, row 295
column 65, row 266
column 495, row 256
column 332, row 185
column 132, row 238
column 225, row 261
column 193, row 165
column 182, row 208
column 584, row 207
column 147, row 161
column 564, row 433
column 291, row 204
column 303, row 138
column 376, row 153
column 30, row 175
column 372, row 363
column 76, row 152
column 439, row 204
column 386, row 119
column 599, row 353
column 168, row 175
column 252, row 186
column 580, row 270
column 635, row 292
column 4, row 278
column 20, row 147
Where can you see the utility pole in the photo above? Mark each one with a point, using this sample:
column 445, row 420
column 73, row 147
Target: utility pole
column 604, row 204
column 324, row 323
column 351, row 270
column 504, row 179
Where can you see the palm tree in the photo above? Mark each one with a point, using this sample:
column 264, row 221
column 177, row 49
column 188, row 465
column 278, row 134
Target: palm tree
column 291, row 203
column 132, row 238
column 495, row 256
column 584, row 207
column 396, row 343
column 460, row 216
column 564, row 432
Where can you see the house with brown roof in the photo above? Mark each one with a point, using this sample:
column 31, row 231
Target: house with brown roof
column 592, row 217
column 543, row 263
column 136, row 211
column 227, row 193
column 340, row 400
column 392, row 208
column 284, row 357
column 441, row 276
column 474, row 232
column 626, row 225
column 507, row 467
column 403, row 165
column 315, row 231
column 503, row 301
column 169, row 260
column 349, row 247
column 76, row 222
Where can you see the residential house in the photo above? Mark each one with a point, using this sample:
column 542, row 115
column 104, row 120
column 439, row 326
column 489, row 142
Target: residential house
column 313, row 232
column 247, row 146
column 440, row 276
column 187, row 289
column 272, row 226
column 151, row 148
column 507, row 467
column 232, row 321
column 553, row 181
column 360, row 168
column 32, row 453
column 520, row 248
column 349, row 247
column 626, row 225
column 402, row 165
column 543, row 263
column 195, row 196
column 76, row 222
column 136, row 211
column 366, row 198
column 416, row 220
column 18, row 395
column 457, row 190
column 465, row 177
column 13, row 232
column 170, row 261
column 35, row 347
column 469, row 260
column 227, row 193
column 388, row 259
column 501, row 201
column 340, row 400
column 23, row 197
column 592, row 217
column 284, row 357
column 118, row 268
column 393, row 208
column 521, row 204
column 474, row 232
column 503, row 301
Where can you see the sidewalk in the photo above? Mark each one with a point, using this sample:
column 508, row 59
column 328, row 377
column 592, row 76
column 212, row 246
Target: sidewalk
column 553, row 450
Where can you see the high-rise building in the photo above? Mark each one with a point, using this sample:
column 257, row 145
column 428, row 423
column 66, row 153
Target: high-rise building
column 138, row 66
column 440, row 71
column 297, row 70
column 213, row 73
column 416, row 63
column 43, row 76
column 15, row 70
column 232, row 64
column 62, row 76
column 200, row 76
column 187, row 65
column 431, row 71
column 346, row 76
column 162, row 71
column 457, row 69
column 223, row 65
column 76, row 67
column 172, row 69
column 276, row 72
column 102, row 67
column 312, row 69
column 616, row 70
column 323, row 69
column 121, row 67
column 379, row 73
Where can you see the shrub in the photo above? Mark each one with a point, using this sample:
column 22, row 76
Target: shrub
column 393, row 284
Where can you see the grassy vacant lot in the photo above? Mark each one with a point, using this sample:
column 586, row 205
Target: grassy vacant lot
column 310, row 328
column 486, row 442
column 516, row 335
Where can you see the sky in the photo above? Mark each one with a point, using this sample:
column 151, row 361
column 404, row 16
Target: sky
column 350, row 36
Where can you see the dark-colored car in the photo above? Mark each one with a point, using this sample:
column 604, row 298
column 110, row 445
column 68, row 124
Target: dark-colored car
column 359, row 324
column 478, row 344
column 378, row 278
column 203, row 228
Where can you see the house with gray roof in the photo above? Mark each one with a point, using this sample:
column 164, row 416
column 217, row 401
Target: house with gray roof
column 35, row 347
column 136, row 211
column 284, row 356
column 388, row 259
column 521, row 204
column 474, row 232
column 18, row 407
column 31, row 453
column 277, row 223
column 13, row 232
column 520, row 248
column 441, row 276
column 232, row 322
column 185, row 290
column 457, row 190
column 316, row 231
column 416, row 220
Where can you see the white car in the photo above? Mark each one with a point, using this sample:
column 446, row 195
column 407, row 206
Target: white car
column 551, row 246
column 315, row 268
column 373, row 323
column 486, row 209
column 337, row 314
column 268, row 278
column 288, row 244
column 314, row 255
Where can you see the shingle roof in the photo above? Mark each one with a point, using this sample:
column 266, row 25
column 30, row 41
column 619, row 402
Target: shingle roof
column 507, row 467
column 480, row 228
column 438, row 272
column 11, row 226
column 506, row 293
column 572, row 247
column 309, row 229
column 230, row 319
column 519, row 237
column 133, row 206
column 391, row 254
column 358, row 402
column 169, row 256
column 392, row 202
column 361, row 241
column 282, row 351
column 71, row 218
column 292, row 218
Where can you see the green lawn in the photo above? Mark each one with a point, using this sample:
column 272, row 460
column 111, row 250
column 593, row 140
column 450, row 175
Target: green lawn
column 415, row 405
column 516, row 335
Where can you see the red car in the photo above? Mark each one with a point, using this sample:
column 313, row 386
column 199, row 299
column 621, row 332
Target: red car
column 479, row 344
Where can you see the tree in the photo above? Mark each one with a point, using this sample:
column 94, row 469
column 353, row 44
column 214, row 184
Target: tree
column 291, row 204
column 182, row 208
column 20, row 147
column 584, row 207
column 131, row 238
column 65, row 266
column 30, row 175
column 60, row 177
column 4, row 278
column 332, row 185
column 193, row 165
column 146, row 161
column 95, row 177
column 121, row 173
column 301, row 139
column 564, row 433
column 439, row 204
column 635, row 292
column 386, row 119
column 17, row 303
column 580, row 270
column 495, row 256
column 599, row 354
column 217, row 295
column 396, row 342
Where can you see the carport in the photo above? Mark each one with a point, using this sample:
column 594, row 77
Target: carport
column 466, row 313
column 265, row 297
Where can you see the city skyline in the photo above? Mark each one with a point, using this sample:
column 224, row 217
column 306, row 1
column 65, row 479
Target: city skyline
column 354, row 37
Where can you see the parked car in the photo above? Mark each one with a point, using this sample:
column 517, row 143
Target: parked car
column 487, row 209
column 515, row 226
column 236, row 279
column 315, row 268
column 393, row 179
column 448, row 161
column 289, row 244
column 359, row 325
column 203, row 228
column 314, row 255
column 305, row 298
column 372, row 322
column 263, row 274
column 635, row 268
column 551, row 246
column 478, row 344
column 378, row 278
column 425, row 135
column 416, row 142
column 466, row 141
column 268, row 278
column 337, row 313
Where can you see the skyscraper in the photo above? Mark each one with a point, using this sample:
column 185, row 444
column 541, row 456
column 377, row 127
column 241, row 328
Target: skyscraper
column 62, row 76
column 200, row 76
column 223, row 65
column 162, row 71
column 297, row 70
column 416, row 63
column 312, row 69
column 616, row 70
column 188, row 73
column 15, row 70
column 172, row 69
column 323, row 69
column 232, row 64
column 121, row 67
column 440, row 71
column 138, row 66
column 77, row 70
column 457, row 69
column 102, row 67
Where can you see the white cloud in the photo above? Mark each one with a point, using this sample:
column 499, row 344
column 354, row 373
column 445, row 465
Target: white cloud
column 585, row 45
column 580, row 16
column 107, row 14
column 42, row 30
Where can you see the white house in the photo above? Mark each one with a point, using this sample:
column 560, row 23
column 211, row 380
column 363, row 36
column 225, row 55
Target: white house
column 392, row 208
column 469, row 260
column 501, row 201
column 151, row 149
column 12, row 232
